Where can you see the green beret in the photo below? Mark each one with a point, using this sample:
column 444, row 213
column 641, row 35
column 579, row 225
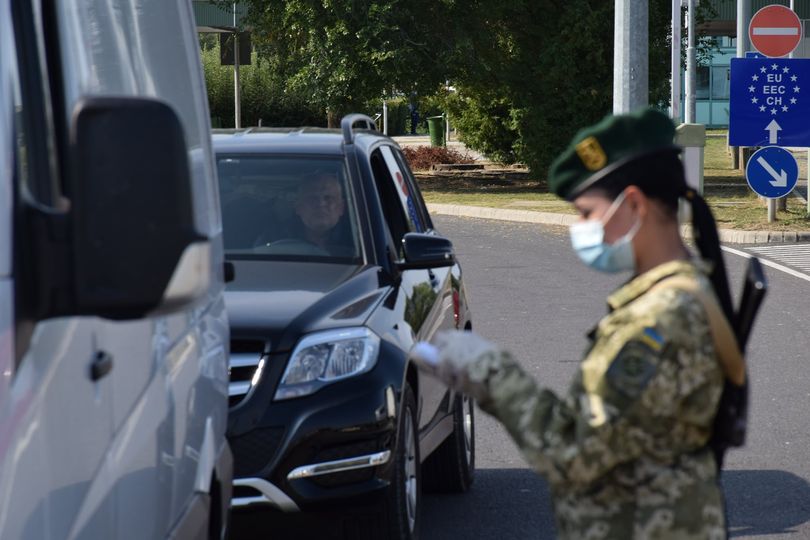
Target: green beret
column 598, row 151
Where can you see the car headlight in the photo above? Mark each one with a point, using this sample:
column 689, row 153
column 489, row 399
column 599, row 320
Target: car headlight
column 325, row 357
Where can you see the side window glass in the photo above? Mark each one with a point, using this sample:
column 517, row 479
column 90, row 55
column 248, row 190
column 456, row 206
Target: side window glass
column 405, row 193
column 416, row 194
column 398, row 224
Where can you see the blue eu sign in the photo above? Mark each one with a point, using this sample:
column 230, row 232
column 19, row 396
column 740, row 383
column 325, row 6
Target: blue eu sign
column 772, row 172
column 768, row 102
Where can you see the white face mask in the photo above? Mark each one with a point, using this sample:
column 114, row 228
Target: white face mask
column 588, row 240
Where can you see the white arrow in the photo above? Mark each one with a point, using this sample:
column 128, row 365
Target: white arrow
column 779, row 180
column 772, row 129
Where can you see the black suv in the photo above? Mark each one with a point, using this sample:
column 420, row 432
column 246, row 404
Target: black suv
column 338, row 272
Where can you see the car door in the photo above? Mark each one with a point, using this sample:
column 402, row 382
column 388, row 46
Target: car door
column 425, row 308
column 55, row 404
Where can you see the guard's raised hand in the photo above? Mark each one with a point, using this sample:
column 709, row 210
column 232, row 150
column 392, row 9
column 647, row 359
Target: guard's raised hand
column 450, row 357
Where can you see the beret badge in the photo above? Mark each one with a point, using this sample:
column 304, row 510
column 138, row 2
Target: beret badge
column 591, row 153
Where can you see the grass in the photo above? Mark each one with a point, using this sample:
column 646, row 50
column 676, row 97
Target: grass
column 734, row 205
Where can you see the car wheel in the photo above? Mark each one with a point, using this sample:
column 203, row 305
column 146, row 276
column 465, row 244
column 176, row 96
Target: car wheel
column 451, row 468
column 403, row 496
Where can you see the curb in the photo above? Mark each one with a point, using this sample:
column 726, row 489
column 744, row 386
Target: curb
column 727, row 236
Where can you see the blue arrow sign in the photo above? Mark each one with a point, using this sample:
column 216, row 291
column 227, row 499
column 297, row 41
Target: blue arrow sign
column 754, row 54
column 770, row 104
column 772, row 172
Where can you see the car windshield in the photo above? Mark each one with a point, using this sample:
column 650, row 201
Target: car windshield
column 287, row 208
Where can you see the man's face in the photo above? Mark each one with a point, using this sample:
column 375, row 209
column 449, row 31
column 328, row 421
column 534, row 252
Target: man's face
column 320, row 204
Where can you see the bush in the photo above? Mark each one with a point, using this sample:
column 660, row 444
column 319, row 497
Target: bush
column 424, row 157
column 264, row 94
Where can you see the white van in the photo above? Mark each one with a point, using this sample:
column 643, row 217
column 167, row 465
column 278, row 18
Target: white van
column 113, row 334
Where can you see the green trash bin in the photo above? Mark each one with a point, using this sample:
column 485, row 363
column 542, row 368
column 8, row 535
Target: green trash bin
column 436, row 128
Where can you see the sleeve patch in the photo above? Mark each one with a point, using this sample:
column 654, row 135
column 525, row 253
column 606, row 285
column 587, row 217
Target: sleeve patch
column 652, row 339
column 633, row 367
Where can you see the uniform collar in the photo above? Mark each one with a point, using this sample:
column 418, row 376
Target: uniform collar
column 641, row 284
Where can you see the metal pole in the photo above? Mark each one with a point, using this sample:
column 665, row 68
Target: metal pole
column 675, row 95
column 630, row 55
column 743, row 46
column 743, row 19
column 691, row 64
column 385, row 117
column 237, row 90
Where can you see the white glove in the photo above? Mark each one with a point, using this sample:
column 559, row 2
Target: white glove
column 451, row 358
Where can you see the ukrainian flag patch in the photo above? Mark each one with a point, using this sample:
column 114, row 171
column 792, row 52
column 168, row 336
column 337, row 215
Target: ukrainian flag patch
column 652, row 339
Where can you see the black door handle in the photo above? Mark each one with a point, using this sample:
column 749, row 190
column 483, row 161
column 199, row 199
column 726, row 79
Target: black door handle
column 102, row 364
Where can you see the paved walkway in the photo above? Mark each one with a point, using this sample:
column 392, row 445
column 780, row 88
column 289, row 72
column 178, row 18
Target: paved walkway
column 727, row 236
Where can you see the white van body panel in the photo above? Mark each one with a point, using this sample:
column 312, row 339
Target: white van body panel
column 121, row 457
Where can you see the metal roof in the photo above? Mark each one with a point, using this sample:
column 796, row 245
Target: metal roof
column 727, row 9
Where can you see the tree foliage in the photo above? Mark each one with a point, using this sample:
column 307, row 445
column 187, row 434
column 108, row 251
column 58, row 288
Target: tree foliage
column 528, row 73
column 265, row 96
column 343, row 54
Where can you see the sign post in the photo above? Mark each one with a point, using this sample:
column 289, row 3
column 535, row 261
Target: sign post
column 775, row 31
column 767, row 107
column 772, row 172
column 769, row 103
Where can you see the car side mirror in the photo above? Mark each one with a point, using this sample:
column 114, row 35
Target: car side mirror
column 123, row 243
column 424, row 251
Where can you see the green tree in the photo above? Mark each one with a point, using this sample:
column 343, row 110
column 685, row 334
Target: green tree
column 265, row 96
column 343, row 54
column 530, row 73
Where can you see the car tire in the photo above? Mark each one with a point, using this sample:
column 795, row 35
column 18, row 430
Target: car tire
column 451, row 467
column 400, row 515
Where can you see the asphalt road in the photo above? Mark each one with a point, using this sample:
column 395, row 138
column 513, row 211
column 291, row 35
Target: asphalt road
column 528, row 291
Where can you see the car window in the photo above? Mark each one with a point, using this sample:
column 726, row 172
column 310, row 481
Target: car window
column 395, row 216
column 404, row 191
column 287, row 208
column 416, row 194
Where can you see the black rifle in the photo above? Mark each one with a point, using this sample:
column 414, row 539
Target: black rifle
column 731, row 421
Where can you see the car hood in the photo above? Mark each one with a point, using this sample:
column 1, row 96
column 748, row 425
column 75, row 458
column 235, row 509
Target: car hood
column 280, row 300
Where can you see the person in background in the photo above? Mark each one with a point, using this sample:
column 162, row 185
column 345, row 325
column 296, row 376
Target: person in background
column 627, row 451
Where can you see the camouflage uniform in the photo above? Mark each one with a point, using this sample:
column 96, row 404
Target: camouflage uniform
column 625, row 451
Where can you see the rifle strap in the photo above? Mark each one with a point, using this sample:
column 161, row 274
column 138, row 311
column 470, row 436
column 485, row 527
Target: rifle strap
column 728, row 352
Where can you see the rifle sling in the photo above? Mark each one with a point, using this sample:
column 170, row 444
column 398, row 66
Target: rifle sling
column 728, row 352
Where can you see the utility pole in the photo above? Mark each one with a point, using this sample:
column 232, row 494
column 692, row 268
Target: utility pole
column 630, row 55
column 675, row 95
column 237, row 90
column 691, row 64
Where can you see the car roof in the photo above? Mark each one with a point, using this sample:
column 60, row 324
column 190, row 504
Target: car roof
column 303, row 140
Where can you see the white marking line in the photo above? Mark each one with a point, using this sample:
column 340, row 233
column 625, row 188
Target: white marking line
column 774, row 31
column 766, row 262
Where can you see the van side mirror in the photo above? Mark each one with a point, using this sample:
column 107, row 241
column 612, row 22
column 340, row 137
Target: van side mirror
column 124, row 243
column 131, row 210
column 424, row 251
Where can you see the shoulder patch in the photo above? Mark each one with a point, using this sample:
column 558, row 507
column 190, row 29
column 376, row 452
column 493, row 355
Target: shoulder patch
column 652, row 339
column 633, row 367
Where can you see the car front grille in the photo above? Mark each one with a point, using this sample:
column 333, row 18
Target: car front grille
column 245, row 368
column 254, row 450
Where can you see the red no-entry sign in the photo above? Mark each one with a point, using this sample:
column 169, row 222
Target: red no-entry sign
column 775, row 30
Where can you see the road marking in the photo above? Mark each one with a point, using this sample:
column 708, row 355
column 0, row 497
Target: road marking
column 766, row 262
